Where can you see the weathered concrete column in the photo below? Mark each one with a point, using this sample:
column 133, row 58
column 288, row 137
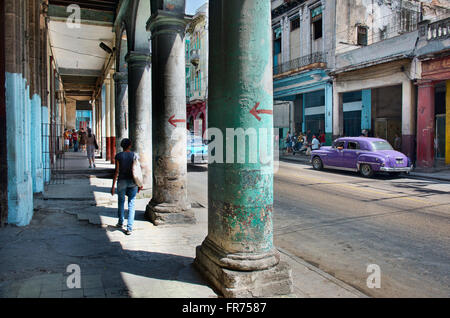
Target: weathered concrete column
column 238, row 256
column 112, row 117
column 328, row 114
column 108, row 118
column 408, row 118
column 140, row 110
column 425, row 125
column 447, row 123
column 338, row 113
column 169, row 201
column 3, row 142
column 121, row 107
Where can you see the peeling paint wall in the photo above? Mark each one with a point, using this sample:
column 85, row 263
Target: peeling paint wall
column 382, row 20
column 23, row 103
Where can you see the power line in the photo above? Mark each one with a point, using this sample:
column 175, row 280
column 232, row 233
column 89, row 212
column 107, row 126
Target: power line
column 80, row 53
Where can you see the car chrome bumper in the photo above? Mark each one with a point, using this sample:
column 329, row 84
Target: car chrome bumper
column 403, row 169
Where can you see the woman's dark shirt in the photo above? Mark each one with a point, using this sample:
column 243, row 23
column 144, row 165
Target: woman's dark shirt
column 125, row 160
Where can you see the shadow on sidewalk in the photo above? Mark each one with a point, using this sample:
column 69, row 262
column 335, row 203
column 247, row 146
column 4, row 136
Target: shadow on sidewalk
column 152, row 262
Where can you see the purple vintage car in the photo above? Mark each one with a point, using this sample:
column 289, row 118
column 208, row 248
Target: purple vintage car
column 363, row 154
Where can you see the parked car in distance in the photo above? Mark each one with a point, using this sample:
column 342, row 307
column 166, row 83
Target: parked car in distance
column 197, row 150
column 361, row 154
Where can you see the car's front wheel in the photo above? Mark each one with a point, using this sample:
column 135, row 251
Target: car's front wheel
column 366, row 170
column 317, row 163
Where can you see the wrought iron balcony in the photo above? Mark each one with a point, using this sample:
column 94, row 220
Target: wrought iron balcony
column 300, row 63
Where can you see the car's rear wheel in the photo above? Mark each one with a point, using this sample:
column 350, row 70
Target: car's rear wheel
column 317, row 163
column 366, row 170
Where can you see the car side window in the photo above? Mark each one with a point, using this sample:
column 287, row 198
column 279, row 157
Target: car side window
column 353, row 145
column 338, row 144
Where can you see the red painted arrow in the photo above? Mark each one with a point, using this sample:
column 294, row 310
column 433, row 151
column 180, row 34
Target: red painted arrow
column 174, row 122
column 255, row 111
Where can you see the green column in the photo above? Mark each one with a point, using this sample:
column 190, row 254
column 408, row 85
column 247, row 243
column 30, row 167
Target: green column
column 238, row 255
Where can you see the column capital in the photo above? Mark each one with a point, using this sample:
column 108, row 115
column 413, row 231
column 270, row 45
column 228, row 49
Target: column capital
column 425, row 83
column 166, row 22
column 121, row 77
column 138, row 58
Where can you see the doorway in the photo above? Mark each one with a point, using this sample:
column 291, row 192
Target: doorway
column 440, row 137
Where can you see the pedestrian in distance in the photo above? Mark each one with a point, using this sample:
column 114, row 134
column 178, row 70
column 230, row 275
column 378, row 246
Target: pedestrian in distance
column 83, row 136
column 126, row 185
column 91, row 145
column 66, row 139
column 315, row 144
column 75, row 140
column 322, row 138
column 288, row 142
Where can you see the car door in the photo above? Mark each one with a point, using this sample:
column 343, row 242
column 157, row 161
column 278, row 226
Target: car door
column 350, row 154
column 336, row 154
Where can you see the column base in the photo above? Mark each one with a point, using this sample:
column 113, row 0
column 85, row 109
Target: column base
column 275, row 281
column 167, row 213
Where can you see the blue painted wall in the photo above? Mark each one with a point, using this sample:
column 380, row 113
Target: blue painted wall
column 18, row 124
column 36, row 149
column 366, row 111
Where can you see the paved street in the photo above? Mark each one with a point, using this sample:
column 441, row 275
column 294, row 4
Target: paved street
column 342, row 222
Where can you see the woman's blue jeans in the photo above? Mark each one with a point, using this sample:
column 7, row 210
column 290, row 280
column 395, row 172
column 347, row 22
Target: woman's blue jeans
column 130, row 189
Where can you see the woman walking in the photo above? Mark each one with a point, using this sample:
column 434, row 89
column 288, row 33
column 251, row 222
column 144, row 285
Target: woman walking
column 126, row 185
column 90, row 147
column 82, row 135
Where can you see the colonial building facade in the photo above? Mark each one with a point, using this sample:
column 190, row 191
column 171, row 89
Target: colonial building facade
column 197, row 41
column 357, row 68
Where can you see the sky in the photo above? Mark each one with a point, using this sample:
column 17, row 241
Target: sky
column 192, row 5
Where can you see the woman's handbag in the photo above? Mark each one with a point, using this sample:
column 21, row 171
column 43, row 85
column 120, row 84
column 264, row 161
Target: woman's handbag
column 95, row 143
column 137, row 172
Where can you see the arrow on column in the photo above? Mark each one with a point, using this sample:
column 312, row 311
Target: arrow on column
column 174, row 121
column 255, row 111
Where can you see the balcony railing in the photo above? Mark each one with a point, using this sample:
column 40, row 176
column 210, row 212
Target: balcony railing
column 318, row 57
column 435, row 30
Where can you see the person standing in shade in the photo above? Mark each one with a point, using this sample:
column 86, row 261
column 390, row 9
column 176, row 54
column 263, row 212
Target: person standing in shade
column 66, row 140
column 75, row 140
column 125, row 185
column 90, row 147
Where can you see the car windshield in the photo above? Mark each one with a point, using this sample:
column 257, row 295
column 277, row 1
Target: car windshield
column 381, row 145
